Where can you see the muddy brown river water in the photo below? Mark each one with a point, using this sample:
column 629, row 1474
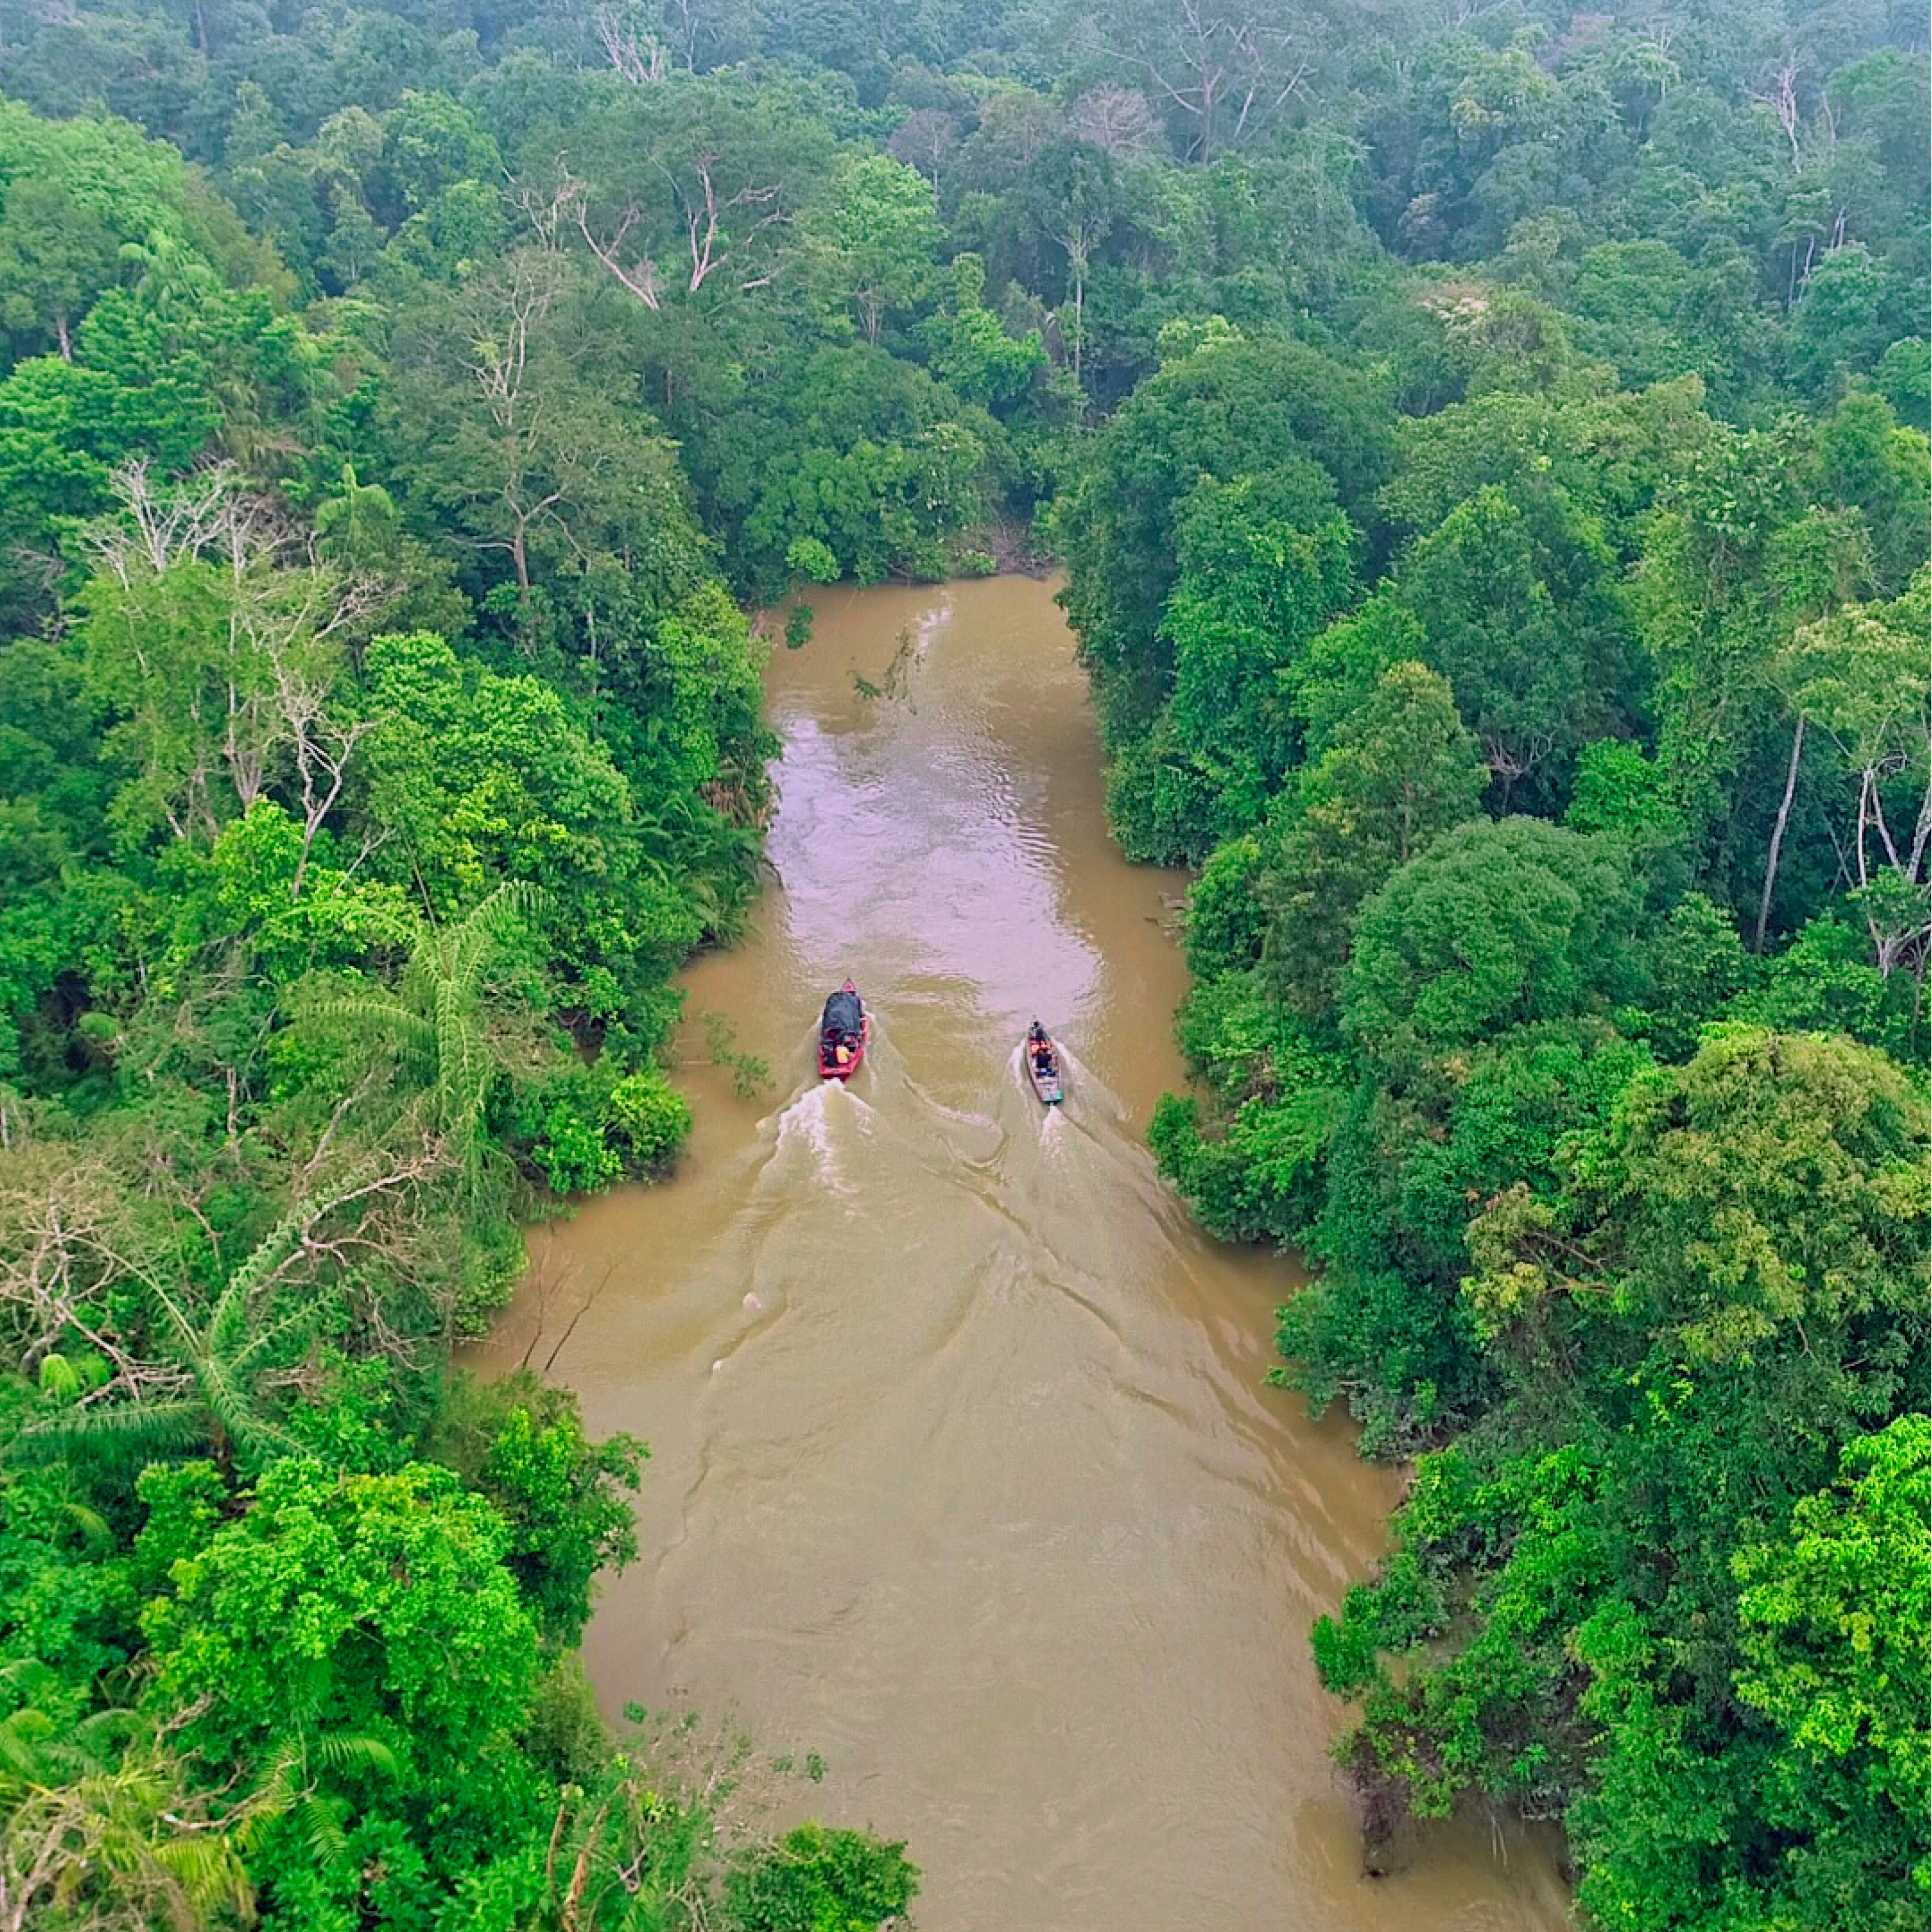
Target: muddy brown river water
column 963, row 1472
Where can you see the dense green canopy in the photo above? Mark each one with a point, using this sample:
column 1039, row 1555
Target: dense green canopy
column 1488, row 450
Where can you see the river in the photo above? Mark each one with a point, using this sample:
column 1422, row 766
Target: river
column 964, row 1470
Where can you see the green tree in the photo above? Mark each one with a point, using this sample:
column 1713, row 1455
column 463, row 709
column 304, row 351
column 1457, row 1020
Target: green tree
column 875, row 238
column 481, row 780
column 1518, row 611
column 824, row 1879
column 55, row 256
column 1732, row 1260
column 1835, row 1614
column 520, row 1443
column 1495, row 925
column 500, row 434
column 1231, row 408
column 1395, row 774
column 1698, row 965
column 376, row 1607
column 1854, row 306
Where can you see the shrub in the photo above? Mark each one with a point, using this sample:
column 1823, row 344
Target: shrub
column 648, row 1118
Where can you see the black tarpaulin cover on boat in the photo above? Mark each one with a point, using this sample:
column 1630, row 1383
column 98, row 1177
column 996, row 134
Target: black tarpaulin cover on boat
column 843, row 1014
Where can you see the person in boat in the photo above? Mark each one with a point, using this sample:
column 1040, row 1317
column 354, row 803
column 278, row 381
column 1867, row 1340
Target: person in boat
column 842, row 1029
column 1040, row 1049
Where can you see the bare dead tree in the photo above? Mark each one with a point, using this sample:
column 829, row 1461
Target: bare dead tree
column 323, row 742
column 1220, row 67
column 498, row 360
column 702, row 213
column 160, row 523
column 261, row 693
column 688, row 21
column 1860, row 681
column 704, row 209
column 1466, row 13
column 1780, row 99
column 634, row 270
column 639, row 57
column 283, row 663
column 1777, row 833
column 69, row 1239
column 549, row 211
column 1118, row 121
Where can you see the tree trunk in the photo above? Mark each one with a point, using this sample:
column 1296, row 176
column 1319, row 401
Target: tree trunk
column 1777, row 834
column 1079, row 325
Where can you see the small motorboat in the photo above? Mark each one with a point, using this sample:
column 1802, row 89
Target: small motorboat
column 1042, row 1066
column 844, row 1030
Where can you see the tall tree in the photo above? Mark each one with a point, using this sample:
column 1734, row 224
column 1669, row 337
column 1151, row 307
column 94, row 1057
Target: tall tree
column 1397, row 774
column 1223, row 71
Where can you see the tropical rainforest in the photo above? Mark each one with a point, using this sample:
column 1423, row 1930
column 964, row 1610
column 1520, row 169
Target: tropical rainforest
column 1487, row 445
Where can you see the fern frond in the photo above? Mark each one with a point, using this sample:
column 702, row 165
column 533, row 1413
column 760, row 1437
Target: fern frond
column 26, row 1678
column 103, row 1735
column 96, row 1531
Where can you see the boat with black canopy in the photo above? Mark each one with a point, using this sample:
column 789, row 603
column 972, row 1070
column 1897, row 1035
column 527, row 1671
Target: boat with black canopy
column 844, row 1029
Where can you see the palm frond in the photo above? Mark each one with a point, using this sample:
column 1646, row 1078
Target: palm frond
column 321, row 1831
column 210, row 1872
column 231, row 1310
column 456, row 954
column 338, row 1751
column 409, row 1032
column 298, row 1321
column 262, row 1441
column 129, row 1428
column 262, row 1260
column 232, row 1405
column 186, row 1341
column 515, row 902
column 22, row 1735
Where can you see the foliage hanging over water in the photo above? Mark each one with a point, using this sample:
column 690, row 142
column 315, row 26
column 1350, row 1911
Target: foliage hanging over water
column 1489, row 453
column 1559, row 951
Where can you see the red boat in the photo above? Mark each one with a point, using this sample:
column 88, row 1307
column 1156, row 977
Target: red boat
column 845, row 1030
